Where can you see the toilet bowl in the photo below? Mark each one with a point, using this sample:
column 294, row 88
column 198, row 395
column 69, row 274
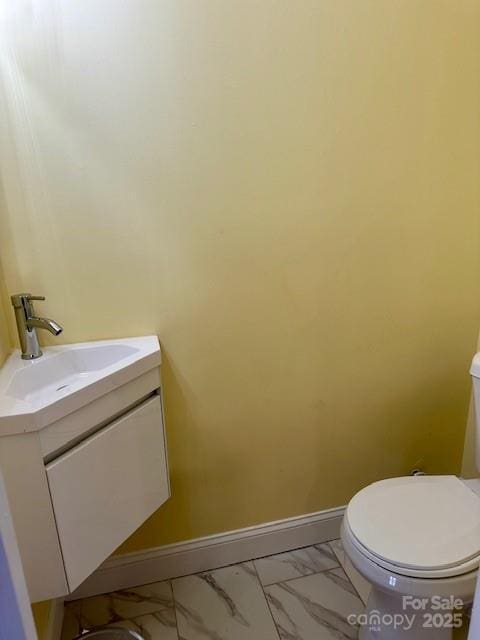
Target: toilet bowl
column 416, row 540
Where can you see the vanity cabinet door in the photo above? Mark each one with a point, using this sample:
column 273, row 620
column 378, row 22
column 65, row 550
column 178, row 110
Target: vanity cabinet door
column 104, row 488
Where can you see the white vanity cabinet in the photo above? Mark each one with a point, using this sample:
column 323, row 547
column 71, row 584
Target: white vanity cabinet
column 80, row 485
column 106, row 486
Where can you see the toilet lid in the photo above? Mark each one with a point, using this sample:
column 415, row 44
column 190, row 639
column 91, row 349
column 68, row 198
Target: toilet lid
column 426, row 522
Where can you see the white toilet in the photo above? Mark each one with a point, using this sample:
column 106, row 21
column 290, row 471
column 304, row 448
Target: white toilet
column 416, row 540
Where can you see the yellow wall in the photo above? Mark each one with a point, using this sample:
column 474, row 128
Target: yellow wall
column 41, row 613
column 287, row 193
column 4, row 332
column 469, row 465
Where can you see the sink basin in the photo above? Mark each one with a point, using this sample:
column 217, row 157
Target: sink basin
column 63, row 369
column 36, row 393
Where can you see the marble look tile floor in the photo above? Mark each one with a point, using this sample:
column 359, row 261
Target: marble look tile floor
column 299, row 595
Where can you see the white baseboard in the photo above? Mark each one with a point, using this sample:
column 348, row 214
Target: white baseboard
column 55, row 620
column 211, row 552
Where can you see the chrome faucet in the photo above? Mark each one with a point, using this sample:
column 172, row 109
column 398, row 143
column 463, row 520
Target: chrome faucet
column 28, row 323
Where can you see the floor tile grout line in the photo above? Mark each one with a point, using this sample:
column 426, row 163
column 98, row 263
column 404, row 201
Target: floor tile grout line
column 310, row 546
column 266, row 600
column 334, row 552
column 337, row 560
column 300, row 578
column 342, row 566
column 262, row 592
column 174, row 608
column 305, row 575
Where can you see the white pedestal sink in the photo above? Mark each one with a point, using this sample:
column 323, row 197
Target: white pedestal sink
column 82, row 449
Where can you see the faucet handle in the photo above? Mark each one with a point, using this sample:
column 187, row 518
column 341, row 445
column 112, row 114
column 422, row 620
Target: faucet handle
column 20, row 299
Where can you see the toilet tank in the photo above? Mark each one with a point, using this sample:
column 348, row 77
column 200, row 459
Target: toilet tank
column 475, row 373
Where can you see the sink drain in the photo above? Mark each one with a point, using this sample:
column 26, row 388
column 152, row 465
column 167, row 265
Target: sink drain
column 63, row 386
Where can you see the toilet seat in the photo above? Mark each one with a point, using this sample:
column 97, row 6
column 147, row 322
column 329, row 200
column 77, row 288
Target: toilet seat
column 425, row 527
column 450, row 572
